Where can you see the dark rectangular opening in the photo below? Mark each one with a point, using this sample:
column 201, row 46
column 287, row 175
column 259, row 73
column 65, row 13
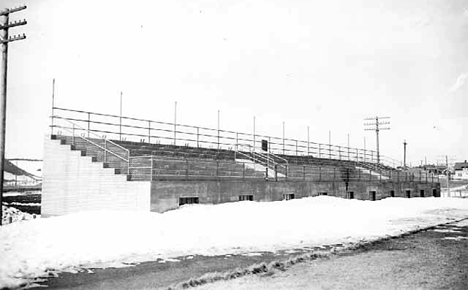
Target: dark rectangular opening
column 408, row 193
column 188, row 200
column 372, row 195
column 421, row 193
column 350, row 194
column 392, row 193
column 248, row 197
column 322, row 193
column 434, row 192
column 288, row 196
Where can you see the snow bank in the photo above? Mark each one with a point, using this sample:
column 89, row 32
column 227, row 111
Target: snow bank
column 11, row 215
column 29, row 249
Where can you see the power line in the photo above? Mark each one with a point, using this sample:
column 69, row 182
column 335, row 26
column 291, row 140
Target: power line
column 5, row 26
column 377, row 125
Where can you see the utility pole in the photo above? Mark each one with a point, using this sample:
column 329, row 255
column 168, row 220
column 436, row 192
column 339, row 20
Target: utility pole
column 404, row 153
column 5, row 25
column 375, row 125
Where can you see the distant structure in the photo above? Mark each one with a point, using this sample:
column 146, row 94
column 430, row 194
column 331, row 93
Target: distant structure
column 461, row 170
column 95, row 161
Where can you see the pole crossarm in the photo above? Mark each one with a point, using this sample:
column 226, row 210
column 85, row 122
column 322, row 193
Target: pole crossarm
column 14, row 24
column 13, row 38
column 12, row 10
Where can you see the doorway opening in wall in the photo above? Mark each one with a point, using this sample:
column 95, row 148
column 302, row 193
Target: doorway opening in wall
column 421, row 193
column 372, row 195
column 288, row 196
column 408, row 193
column 434, row 192
column 188, row 200
column 322, row 193
column 392, row 193
column 350, row 195
column 248, row 197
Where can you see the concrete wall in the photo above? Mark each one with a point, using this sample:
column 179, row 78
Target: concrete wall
column 73, row 183
column 165, row 194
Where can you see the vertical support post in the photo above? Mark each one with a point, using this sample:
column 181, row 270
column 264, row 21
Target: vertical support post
column 296, row 148
column 89, row 123
column 276, row 172
column 303, row 172
column 357, row 154
column 253, row 134
column 320, row 173
column 348, row 149
column 365, row 157
column 283, row 139
column 404, row 154
column 105, row 150
column 218, row 129
column 53, row 107
column 380, row 175
column 334, row 173
column 175, row 123
column 186, row 169
column 286, row 171
column 73, row 134
column 308, row 142
column 120, row 125
column 329, row 144
column 319, row 153
column 198, row 137
column 237, row 141
column 149, row 131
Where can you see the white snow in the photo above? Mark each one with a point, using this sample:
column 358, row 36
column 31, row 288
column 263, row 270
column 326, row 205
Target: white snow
column 28, row 249
column 11, row 215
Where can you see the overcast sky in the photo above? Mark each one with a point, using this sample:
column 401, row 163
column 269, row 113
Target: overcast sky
column 323, row 64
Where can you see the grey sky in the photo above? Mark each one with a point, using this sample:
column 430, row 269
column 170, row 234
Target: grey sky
column 323, row 64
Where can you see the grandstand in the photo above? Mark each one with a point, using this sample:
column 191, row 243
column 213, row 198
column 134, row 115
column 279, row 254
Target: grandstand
column 97, row 161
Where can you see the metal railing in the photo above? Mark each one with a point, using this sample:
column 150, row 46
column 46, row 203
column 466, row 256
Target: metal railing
column 150, row 168
column 141, row 130
column 106, row 145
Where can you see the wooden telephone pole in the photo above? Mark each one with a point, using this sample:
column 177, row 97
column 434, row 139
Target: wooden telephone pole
column 376, row 126
column 5, row 25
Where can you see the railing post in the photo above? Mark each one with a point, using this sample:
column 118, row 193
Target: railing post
column 105, row 150
column 339, row 152
column 89, row 123
column 286, row 171
column 149, row 131
column 303, row 172
column 319, row 153
column 334, row 173
column 186, row 169
column 73, row 134
column 320, row 173
column 296, row 148
column 217, row 168
column 266, row 173
column 198, row 137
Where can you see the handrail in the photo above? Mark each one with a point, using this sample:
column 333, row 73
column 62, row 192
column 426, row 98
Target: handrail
column 157, row 130
column 91, row 132
column 97, row 145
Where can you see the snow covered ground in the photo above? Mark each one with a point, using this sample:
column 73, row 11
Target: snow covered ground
column 28, row 249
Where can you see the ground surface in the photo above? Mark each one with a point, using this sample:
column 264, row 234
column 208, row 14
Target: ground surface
column 433, row 259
